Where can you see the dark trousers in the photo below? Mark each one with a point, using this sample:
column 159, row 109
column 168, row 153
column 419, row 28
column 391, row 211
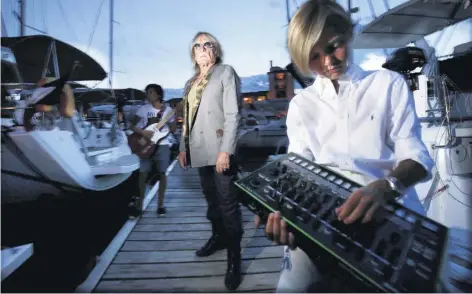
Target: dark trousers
column 223, row 210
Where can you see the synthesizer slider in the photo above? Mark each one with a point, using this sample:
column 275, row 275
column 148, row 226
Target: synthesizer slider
column 399, row 251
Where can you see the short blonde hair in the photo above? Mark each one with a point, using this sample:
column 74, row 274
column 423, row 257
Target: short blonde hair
column 307, row 26
column 217, row 48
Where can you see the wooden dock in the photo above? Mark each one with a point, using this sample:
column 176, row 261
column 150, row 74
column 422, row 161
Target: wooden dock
column 159, row 253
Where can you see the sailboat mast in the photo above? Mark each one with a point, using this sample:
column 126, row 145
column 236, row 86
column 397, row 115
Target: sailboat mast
column 110, row 72
column 288, row 11
column 22, row 16
column 4, row 27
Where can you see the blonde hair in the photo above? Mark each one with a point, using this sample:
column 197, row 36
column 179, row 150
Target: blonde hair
column 308, row 24
column 217, row 50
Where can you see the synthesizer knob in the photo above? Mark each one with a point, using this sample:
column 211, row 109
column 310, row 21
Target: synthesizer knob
column 274, row 172
column 381, row 247
column 255, row 182
column 395, row 238
column 314, row 207
column 291, row 193
column 284, row 188
column 302, row 185
column 276, row 184
column 394, row 256
column 299, row 197
column 284, row 169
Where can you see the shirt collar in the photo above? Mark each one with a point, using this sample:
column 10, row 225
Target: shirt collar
column 353, row 74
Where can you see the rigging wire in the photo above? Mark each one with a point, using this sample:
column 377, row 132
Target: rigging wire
column 44, row 16
column 97, row 16
column 66, row 19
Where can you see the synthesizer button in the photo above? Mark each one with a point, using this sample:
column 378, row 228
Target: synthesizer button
column 323, row 174
column 270, row 192
column 411, row 218
column 429, row 253
column 400, row 213
column 288, row 211
column 338, row 182
column 430, row 226
column 417, row 246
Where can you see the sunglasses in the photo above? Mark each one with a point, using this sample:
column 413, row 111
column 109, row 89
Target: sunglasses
column 206, row 45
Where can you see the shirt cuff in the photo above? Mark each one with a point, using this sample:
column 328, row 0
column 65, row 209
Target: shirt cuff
column 410, row 148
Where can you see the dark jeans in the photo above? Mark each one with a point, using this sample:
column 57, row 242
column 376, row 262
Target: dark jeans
column 223, row 206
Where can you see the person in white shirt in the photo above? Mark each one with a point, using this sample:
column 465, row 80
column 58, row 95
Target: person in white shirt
column 147, row 114
column 360, row 124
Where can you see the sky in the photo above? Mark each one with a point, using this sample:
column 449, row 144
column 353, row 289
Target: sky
column 152, row 37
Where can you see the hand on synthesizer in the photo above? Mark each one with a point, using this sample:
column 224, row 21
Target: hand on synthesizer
column 364, row 202
column 276, row 230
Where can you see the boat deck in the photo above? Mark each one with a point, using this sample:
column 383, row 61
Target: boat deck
column 159, row 253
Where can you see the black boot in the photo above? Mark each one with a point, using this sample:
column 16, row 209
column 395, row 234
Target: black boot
column 214, row 244
column 233, row 272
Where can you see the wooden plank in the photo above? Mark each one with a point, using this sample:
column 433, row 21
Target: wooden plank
column 174, row 200
column 183, row 220
column 187, row 193
column 159, row 255
column 191, row 203
column 126, row 257
column 170, row 236
column 186, row 244
column 175, row 210
column 180, row 228
column 250, row 283
column 187, row 207
column 201, row 269
column 196, row 212
column 182, row 185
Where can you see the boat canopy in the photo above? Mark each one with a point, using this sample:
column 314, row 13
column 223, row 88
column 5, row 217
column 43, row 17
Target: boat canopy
column 31, row 54
column 10, row 71
column 411, row 21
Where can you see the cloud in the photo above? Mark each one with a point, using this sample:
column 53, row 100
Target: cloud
column 102, row 59
column 372, row 62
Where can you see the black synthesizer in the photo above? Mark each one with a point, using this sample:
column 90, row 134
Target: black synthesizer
column 399, row 251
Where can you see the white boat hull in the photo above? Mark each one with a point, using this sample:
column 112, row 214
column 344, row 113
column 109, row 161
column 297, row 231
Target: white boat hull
column 53, row 162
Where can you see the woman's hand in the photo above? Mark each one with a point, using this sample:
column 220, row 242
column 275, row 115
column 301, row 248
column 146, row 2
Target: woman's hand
column 183, row 159
column 276, row 230
column 365, row 201
column 222, row 162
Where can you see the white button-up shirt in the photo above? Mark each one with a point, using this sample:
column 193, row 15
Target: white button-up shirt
column 364, row 131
